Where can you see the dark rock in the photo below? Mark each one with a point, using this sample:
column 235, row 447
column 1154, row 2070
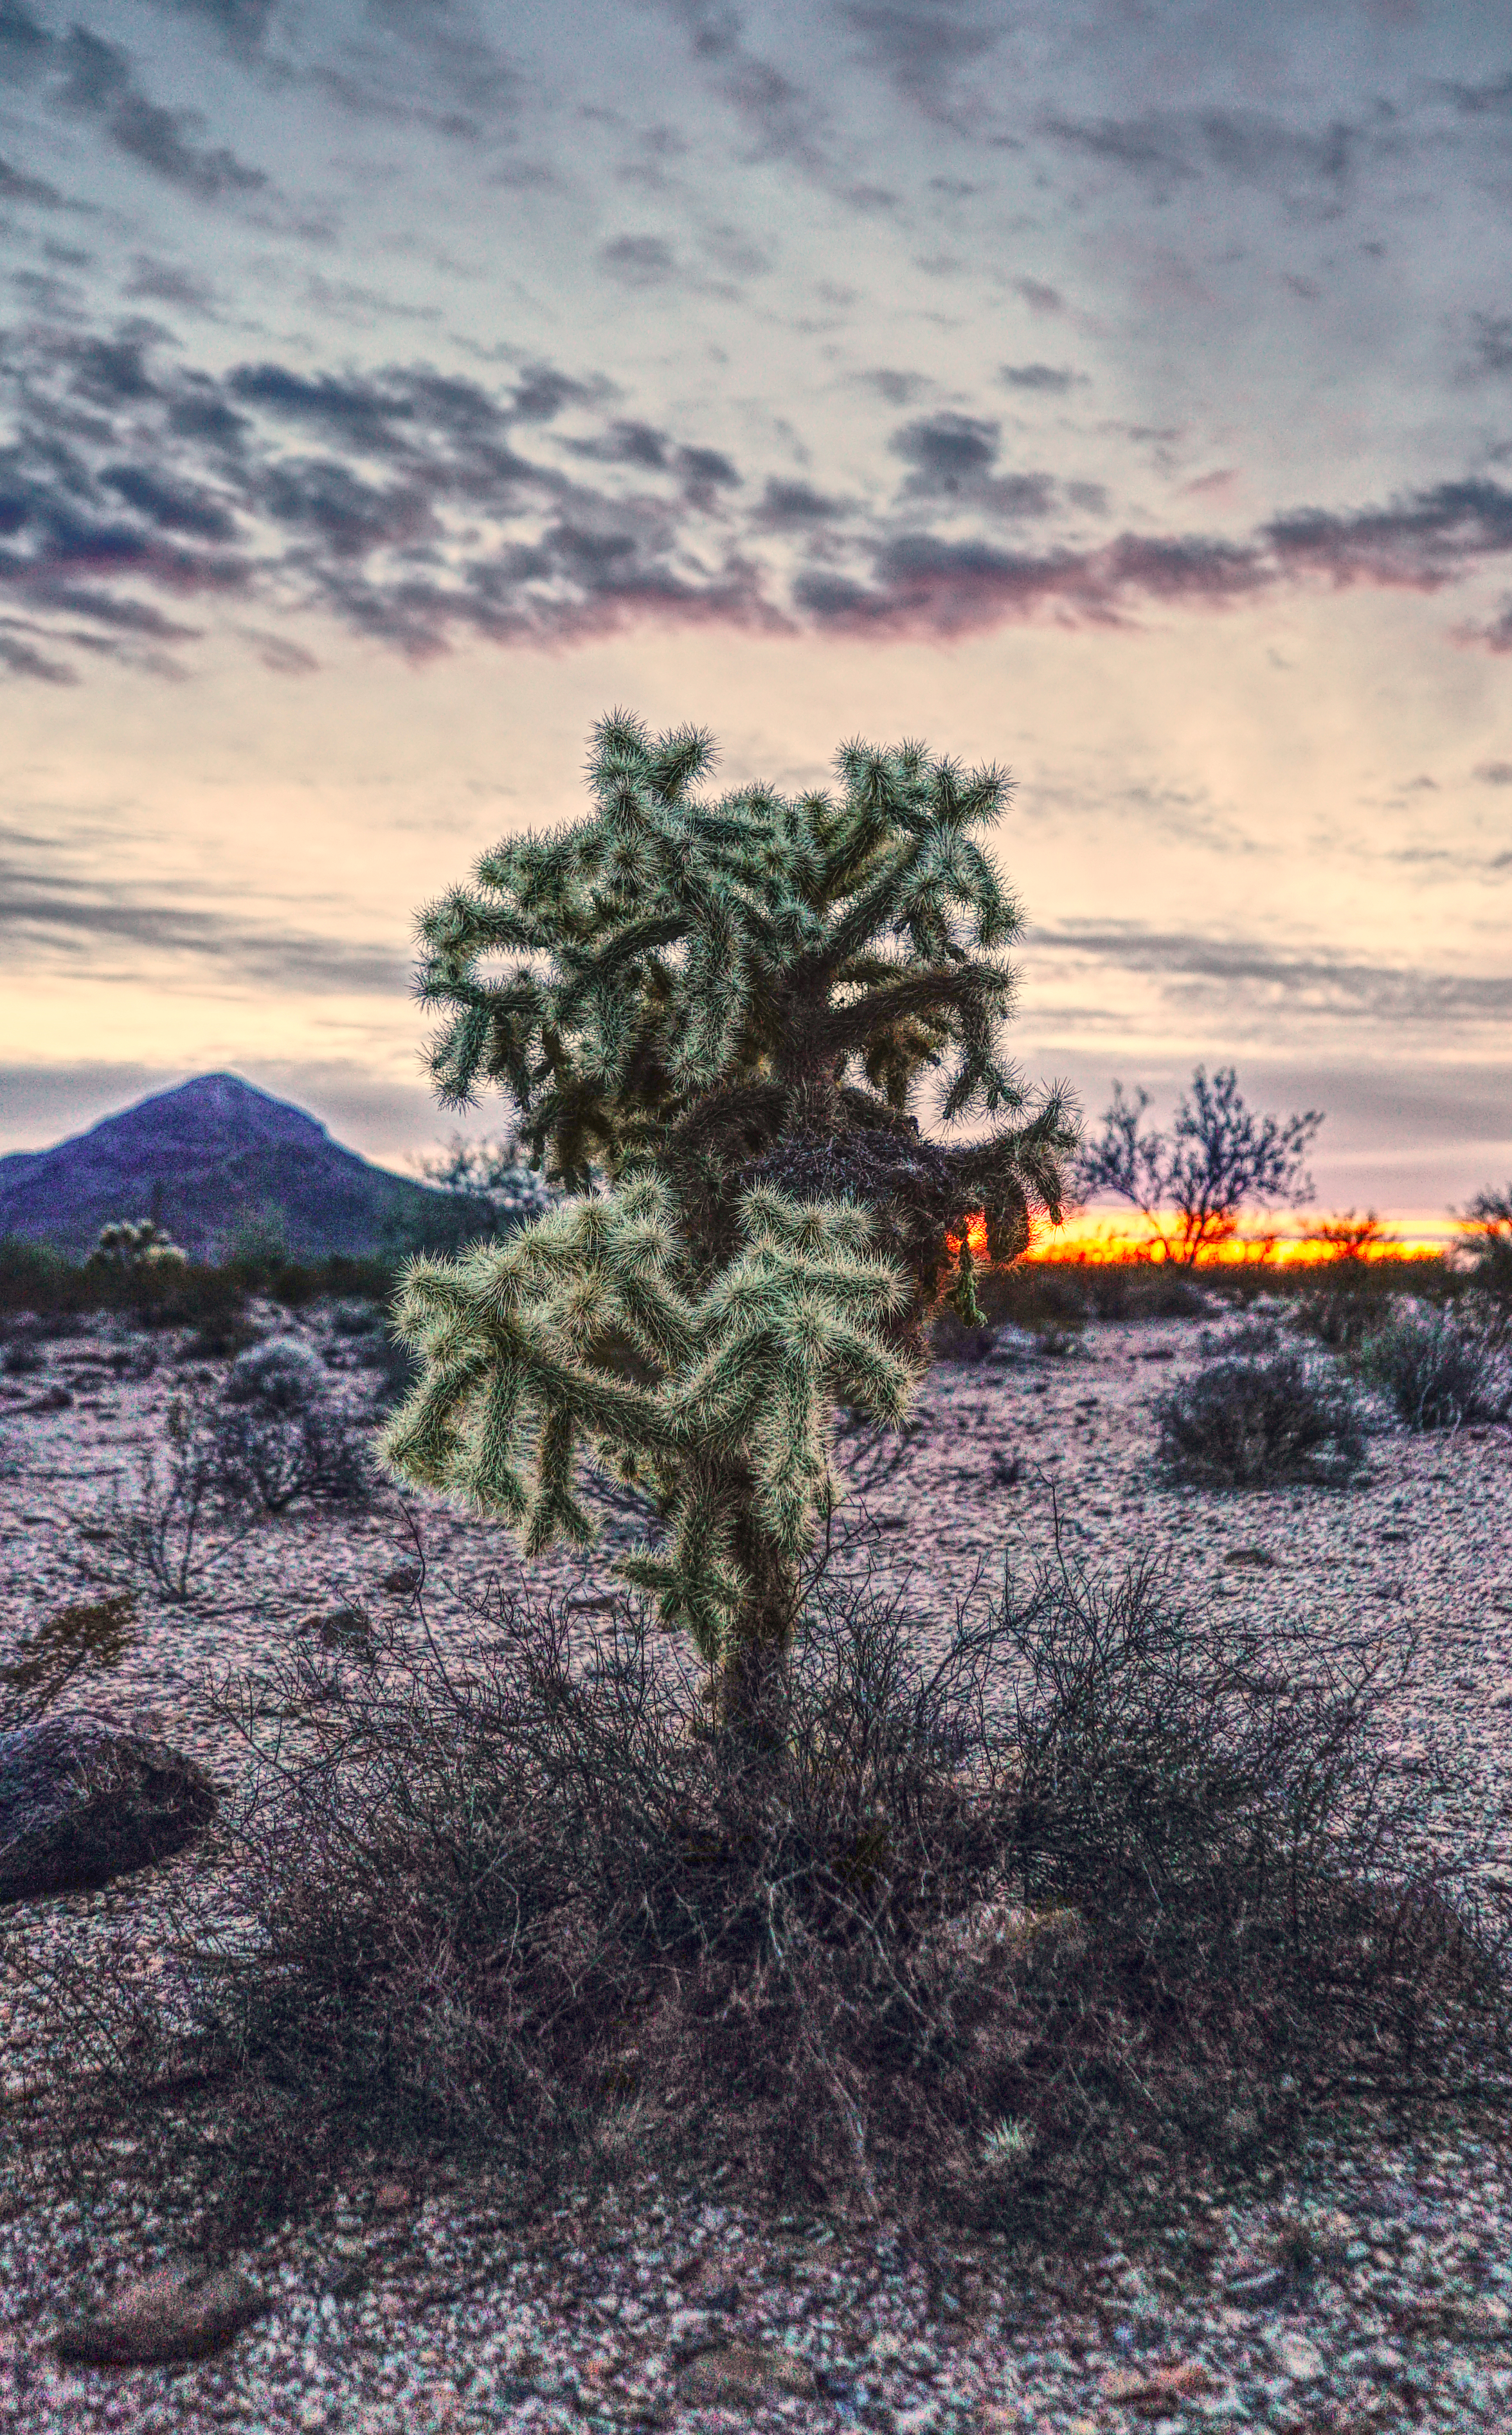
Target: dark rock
column 83, row 1800
column 177, row 2313
column 736, row 2375
column 1255, row 2289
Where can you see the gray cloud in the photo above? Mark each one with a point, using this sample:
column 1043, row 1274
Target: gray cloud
column 1043, row 380
column 639, row 260
column 411, row 505
column 242, row 24
column 1165, row 151
column 923, row 46
column 96, row 80
column 1251, row 976
column 948, row 450
column 782, row 121
column 43, row 905
column 17, row 187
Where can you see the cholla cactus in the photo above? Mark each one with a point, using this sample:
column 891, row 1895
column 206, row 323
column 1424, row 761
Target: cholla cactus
column 716, row 1018
column 724, row 1414
column 749, row 990
column 130, row 1247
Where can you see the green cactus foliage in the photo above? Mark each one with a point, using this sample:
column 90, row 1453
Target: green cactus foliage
column 129, row 1246
column 722, row 1410
column 713, row 1019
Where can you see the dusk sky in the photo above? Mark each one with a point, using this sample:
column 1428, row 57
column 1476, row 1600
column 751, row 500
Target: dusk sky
column 1122, row 393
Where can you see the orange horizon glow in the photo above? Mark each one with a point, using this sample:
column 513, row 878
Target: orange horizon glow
column 1100, row 1239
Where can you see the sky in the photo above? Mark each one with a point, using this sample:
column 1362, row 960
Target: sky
column 1121, row 392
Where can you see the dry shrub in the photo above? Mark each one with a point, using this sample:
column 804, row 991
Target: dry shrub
column 1437, row 1371
column 269, row 1459
column 69, row 1651
column 1013, row 1938
column 1259, row 1419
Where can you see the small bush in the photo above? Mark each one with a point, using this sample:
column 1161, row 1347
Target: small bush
column 269, row 1457
column 180, row 1522
column 1260, row 1421
column 281, row 1374
column 1340, row 1303
column 1438, row 1373
column 934, row 1951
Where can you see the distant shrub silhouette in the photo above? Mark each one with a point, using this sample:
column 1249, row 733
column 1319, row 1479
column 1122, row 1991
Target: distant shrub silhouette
column 1217, row 1159
column 1489, row 1219
column 1437, row 1371
column 1260, row 1421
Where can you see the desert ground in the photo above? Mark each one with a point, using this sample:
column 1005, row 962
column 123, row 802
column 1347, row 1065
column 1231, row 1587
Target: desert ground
column 408, row 2308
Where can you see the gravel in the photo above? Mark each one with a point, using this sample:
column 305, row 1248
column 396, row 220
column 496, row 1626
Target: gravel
column 1372, row 2286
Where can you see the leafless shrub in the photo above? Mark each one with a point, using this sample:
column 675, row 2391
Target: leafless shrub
column 72, row 1648
column 1259, row 1418
column 1437, row 1371
column 180, row 1522
column 269, row 1459
column 941, row 1950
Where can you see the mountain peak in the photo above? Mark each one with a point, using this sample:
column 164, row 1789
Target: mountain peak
column 205, row 1159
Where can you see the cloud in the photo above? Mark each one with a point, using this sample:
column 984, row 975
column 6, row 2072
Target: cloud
column 923, row 47
column 43, row 903
column 242, row 24
column 97, row 80
column 1251, row 976
column 17, row 187
column 1040, row 297
column 1492, row 340
column 1420, row 541
column 1495, row 773
column 948, row 450
column 166, row 283
column 1044, row 380
column 1166, row 150
column 639, row 260
column 789, row 506
column 782, row 120
column 414, row 507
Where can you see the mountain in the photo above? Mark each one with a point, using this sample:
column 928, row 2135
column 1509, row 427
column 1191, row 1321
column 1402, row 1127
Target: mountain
column 212, row 1162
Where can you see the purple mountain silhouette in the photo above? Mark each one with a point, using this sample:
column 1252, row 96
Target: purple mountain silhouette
column 210, row 1161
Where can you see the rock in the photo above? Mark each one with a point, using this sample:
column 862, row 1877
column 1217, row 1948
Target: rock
column 1487, row 2319
column 177, row 2313
column 738, row 2375
column 404, row 1580
column 83, row 1799
column 1296, row 2358
column 1254, row 2289
column 1157, row 2392
column 342, row 1627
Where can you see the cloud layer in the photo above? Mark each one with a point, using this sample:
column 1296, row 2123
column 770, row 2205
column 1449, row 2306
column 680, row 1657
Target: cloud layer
column 415, row 506
column 656, row 253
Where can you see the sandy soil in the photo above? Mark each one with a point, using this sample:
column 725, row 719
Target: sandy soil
column 1005, row 1452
